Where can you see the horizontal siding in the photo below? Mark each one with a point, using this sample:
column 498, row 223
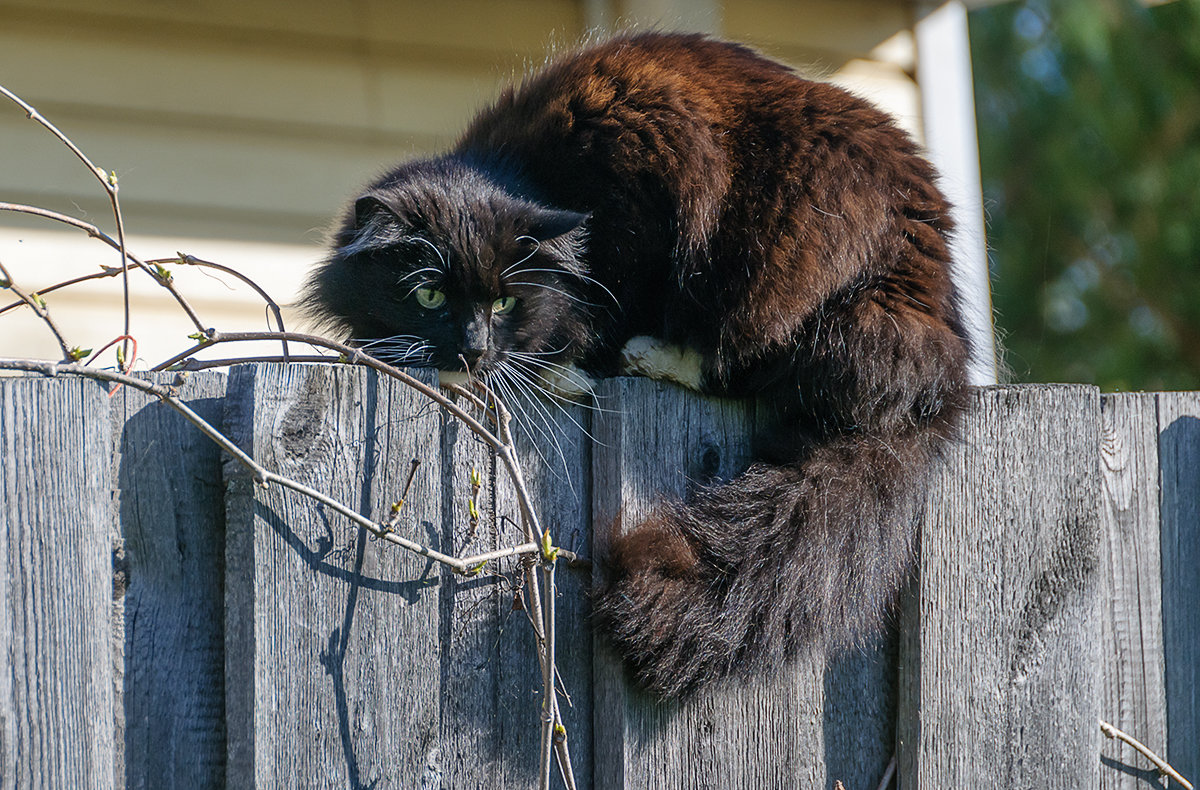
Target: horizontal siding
column 480, row 29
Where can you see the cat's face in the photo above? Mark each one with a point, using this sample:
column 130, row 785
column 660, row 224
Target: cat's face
column 438, row 267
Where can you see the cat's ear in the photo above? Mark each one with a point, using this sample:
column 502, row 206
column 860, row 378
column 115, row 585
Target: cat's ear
column 367, row 207
column 551, row 223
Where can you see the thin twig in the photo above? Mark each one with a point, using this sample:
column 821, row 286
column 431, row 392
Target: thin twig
column 38, row 306
column 193, row 364
column 107, row 180
column 96, row 233
column 272, row 305
column 260, row 474
column 349, row 355
column 1163, row 767
column 548, row 692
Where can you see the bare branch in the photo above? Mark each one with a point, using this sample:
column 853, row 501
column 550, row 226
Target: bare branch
column 272, row 305
column 261, row 475
column 164, row 280
column 107, row 180
column 1159, row 763
column 38, row 305
column 349, row 355
column 549, row 695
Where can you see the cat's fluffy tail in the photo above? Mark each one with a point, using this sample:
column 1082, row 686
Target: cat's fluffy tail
column 780, row 560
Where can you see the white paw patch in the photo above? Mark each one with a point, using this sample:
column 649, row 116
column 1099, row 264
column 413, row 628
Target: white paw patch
column 649, row 357
column 569, row 382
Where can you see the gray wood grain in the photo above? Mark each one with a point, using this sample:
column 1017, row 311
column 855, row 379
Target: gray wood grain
column 1007, row 654
column 350, row 662
column 1134, row 696
column 171, row 566
column 1179, row 464
column 56, row 678
column 332, row 640
column 491, row 681
column 558, row 476
column 805, row 727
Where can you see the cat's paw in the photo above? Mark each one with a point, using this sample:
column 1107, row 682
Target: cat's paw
column 569, row 382
column 652, row 358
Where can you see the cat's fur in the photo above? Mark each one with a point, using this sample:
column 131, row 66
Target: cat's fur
column 680, row 191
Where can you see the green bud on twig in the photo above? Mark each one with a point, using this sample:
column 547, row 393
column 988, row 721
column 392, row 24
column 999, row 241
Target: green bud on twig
column 38, row 300
column 164, row 274
column 112, row 178
column 549, row 551
column 78, row 353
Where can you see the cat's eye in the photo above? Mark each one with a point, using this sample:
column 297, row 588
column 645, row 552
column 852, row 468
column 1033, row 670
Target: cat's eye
column 503, row 305
column 430, row 298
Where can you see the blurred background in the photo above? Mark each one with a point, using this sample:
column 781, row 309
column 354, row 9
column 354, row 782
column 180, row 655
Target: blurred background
column 1089, row 134
column 238, row 130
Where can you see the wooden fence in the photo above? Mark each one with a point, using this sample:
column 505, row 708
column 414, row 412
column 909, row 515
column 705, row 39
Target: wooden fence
column 168, row 624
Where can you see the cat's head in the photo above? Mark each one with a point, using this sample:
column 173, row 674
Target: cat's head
column 440, row 265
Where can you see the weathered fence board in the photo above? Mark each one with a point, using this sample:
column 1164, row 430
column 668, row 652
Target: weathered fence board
column 1179, row 464
column 169, row 569
column 1134, row 695
column 332, row 645
column 796, row 729
column 492, row 681
column 353, row 662
column 1047, row 597
column 56, row 679
column 1007, row 683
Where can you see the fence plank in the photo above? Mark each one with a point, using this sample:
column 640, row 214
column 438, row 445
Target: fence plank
column 352, row 662
column 172, row 519
column 1134, row 696
column 331, row 640
column 1179, row 462
column 492, row 687
column 1006, row 692
column 56, row 680
column 653, row 441
column 558, row 475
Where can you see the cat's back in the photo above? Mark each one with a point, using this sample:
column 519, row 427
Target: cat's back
column 684, row 106
column 635, row 83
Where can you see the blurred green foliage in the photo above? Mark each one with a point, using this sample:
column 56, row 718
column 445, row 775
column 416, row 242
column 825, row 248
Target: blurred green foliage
column 1089, row 132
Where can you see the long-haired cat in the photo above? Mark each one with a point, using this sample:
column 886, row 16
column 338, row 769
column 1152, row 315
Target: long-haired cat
column 678, row 206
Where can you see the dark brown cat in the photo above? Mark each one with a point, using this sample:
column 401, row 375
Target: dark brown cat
column 682, row 207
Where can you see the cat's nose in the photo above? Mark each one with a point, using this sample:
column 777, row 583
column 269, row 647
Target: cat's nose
column 472, row 356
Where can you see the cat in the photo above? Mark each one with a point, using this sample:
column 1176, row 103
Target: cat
column 682, row 207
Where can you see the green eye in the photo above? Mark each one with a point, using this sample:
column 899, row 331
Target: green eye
column 504, row 304
column 430, row 298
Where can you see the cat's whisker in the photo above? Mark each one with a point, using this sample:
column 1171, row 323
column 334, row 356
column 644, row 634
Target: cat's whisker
column 581, row 276
column 436, row 251
column 557, row 291
column 537, row 246
column 540, row 419
column 577, row 379
column 556, row 400
column 545, row 385
column 422, row 270
column 363, row 342
column 520, row 418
